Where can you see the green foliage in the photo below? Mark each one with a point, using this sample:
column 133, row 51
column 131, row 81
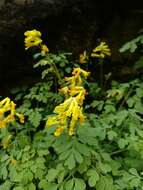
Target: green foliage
column 106, row 152
column 132, row 45
column 38, row 101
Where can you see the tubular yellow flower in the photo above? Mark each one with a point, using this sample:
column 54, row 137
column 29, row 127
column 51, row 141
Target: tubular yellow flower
column 101, row 51
column 83, row 58
column 9, row 118
column 3, row 124
column 44, row 49
column 76, row 79
column 78, row 71
column 33, row 38
column 9, row 107
column 58, row 131
column 4, row 101
column 21, row 117
column 52, row 120
column 34, row 33
column 70, row 112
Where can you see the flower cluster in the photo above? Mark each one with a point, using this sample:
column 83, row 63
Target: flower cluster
column 33, row 38
column 68, row 113
column 101, row 51
column 8, row 112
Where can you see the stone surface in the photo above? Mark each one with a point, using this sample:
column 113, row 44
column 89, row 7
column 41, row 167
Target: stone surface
column 70, row 25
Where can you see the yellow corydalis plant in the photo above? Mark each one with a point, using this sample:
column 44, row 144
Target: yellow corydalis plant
column 8, row 113
column 33, row 38
column 101, row 51
column 70, row 112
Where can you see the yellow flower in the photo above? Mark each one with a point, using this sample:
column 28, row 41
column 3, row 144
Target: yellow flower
column 101, row 51
column 64, row 90
column 3, row 124
column 9, row 118
column 44, row 49
column 21, row 117
column 78, row 71
column 52, row 120
column 58, row 131
column 63, row 106
column 34, row 33
column 70, row 109
column 33, row 38
column 81, row 96
column 83, row 57
column 70, row 112
column 9, row 107
column 76, row 79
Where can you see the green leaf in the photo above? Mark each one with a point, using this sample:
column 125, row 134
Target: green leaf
column 62, row 64
column 6, row 185
column 130, row 102
column 52, row 186
column 52, row 174
column 62, row 187
column 139, row 63
column 105, row 183
column 31, row 186
column 18, row 188
column 43, row 184
column 61, row 176
column 109, row 108
column 26, row 176
column 111, row 135
column 35, row 118
column 105, row 168
column 122, row 143
column 135, row 182
column 14, row 175
column 134, row 172
column 70, row 162
column 68, row 69
column 36, row 55
column 64, row 155
column 83, row 149
column 78, row 156
column 69, row 184
column 120, row 117
column 139, row 92
column 93, row 177
column 101, row 185
column 79, row 184
column 83, row 167
column 4, row 172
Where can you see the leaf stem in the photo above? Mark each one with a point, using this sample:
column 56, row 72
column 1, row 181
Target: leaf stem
column 118, row 151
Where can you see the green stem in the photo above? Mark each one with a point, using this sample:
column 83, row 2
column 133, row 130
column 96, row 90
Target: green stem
column 57, row 73
column 118, row 151
column 101, row 74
